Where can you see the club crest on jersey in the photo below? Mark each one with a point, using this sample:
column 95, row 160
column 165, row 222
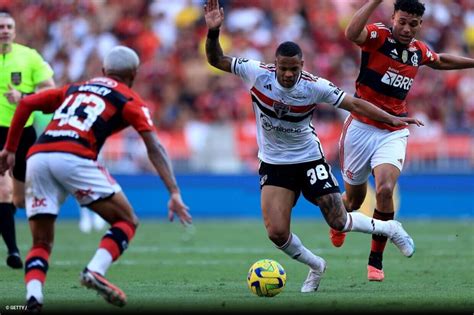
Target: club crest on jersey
column 16, row 78
column 280, row 109
column 414, row 60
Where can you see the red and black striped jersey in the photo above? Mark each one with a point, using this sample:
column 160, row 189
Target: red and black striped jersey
column 387, row 71
column 85, row 114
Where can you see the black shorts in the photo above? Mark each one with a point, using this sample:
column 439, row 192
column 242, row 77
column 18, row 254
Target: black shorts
column 28, row 138
column 313, row 179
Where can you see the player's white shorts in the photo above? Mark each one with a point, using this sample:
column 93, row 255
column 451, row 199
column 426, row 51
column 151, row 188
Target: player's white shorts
column 362, row 147
column 52, row 176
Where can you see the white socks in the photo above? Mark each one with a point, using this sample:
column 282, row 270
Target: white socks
column 359, row 222
column 100, row 262
column 296, row 250
column 34, row 288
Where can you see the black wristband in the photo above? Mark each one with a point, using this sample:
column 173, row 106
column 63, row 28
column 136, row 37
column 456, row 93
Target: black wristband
column 213, row 34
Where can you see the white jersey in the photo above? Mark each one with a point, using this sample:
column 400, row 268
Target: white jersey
column 285, row 133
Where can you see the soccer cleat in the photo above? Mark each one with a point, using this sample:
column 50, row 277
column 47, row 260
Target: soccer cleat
column 33, row 306
column 337, row 238
column 14, row 261
column 111, row 293
column 374, row 274
column 401, row 239
column 311, row 284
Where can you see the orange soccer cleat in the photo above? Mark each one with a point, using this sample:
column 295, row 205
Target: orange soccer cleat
column 374, row 274
column 337, row 238
column 107, row 290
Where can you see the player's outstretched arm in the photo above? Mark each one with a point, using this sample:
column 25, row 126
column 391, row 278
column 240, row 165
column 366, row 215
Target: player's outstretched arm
column 214, row 16
column 367, row 109
column 160, row 160
column 451, row 62
column 355, row 30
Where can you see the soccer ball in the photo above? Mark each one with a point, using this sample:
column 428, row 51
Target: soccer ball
column 266, row 278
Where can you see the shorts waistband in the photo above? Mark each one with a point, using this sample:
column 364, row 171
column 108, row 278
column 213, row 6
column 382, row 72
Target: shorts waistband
column 358, row 124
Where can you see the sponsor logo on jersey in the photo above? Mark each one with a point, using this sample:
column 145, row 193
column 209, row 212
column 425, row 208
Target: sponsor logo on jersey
column 38, row 202
column 327, row 185
column 83, row 193
column 429, row 54
column 241, row 60
column 105, row 81
column 349, row 174
column 397, row 80
column 394, row 53
column 16, row 78
column 404, row 56
column 268, row 87
column 298, row 97
column 268, row 126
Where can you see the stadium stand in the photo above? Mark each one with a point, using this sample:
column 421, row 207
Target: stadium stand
column 187, row 97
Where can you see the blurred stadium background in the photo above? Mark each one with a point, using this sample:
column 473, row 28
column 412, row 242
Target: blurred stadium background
column 205, row 118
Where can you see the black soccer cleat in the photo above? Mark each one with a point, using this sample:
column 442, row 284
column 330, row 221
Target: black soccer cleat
column 14, row 261
column 33, row 306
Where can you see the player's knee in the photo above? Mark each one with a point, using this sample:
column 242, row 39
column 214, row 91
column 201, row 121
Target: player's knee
column 352, row 203
column 384, row 192
column 278, row 236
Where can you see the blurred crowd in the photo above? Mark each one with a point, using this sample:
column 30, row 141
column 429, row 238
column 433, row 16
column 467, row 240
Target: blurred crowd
column 179, row 86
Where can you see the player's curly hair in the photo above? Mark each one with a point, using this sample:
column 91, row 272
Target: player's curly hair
column 410, row 6
column 289, row 49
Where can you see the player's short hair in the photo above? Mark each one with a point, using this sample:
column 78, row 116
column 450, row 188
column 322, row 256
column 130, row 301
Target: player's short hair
column 410, row 6
column 289, row 49
column 121, row 58
column 5, row 14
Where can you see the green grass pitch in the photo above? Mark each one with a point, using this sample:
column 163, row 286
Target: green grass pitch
column 167, row 268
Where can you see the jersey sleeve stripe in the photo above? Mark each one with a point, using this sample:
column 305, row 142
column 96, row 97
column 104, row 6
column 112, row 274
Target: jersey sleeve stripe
column 339, row 100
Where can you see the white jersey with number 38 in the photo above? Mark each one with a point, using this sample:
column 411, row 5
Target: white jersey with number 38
column 285, row 133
